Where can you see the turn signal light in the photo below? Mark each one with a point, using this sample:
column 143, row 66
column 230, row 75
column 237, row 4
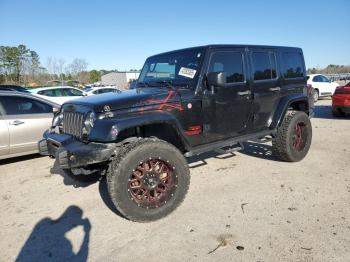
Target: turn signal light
column 193, row 130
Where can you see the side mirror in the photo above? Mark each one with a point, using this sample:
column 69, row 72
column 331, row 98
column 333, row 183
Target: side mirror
column 55, row 110
column 216, row 79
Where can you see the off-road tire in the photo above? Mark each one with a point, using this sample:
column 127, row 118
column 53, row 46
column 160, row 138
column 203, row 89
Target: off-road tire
column 282, row 143
column 122, row 166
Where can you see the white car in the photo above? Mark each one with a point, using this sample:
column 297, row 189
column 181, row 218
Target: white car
column 58, row 94
column 23, row 120
column 101, row 90
column 322, row 85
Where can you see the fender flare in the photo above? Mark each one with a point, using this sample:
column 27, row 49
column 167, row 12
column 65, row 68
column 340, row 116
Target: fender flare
column 283, row 106
column 102, row 129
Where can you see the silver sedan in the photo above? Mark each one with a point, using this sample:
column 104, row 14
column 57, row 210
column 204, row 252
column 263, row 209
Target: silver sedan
column 23, row 120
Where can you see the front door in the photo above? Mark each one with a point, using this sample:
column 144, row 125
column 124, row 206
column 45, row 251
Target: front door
column 4, row 136
column 27, row 119
column 227, row 109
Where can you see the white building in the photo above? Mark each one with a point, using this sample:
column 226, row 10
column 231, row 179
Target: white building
column 121, row 80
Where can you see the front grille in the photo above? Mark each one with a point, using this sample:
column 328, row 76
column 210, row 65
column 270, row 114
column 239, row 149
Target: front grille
column 73, row 123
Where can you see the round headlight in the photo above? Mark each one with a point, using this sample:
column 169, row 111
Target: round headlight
column 57, row 120
column 89, row 121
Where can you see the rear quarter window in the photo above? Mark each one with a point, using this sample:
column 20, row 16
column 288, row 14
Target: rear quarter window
column 293, row 65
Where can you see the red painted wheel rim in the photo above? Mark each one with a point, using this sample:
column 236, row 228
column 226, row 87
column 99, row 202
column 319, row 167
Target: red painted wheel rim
column 299, row 136
column 152, row 183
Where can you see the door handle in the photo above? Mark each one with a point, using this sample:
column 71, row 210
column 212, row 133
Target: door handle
column 16, row 123
column 244, row 93
column 274, row 89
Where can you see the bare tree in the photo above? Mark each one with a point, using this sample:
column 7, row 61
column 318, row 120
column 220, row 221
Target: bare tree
column 77, row 66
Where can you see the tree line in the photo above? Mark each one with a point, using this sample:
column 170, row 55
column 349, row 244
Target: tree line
column 22, row 66
column 330, row 69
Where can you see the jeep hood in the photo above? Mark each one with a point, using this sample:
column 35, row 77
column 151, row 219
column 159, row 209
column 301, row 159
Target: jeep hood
column 140, row 97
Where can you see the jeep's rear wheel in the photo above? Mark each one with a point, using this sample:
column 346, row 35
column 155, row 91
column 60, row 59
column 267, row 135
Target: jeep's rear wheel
column 148, row 179
column 293, row 138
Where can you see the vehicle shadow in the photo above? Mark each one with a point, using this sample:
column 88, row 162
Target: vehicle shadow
column 19, row 159
column 103, row 189
column 325, row 112
column 48, row 242
column 200, row 160
column 71, row 180
column 259, row 150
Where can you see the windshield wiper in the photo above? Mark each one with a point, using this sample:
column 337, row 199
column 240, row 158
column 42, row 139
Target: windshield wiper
column 169, row 83
column 143, row 83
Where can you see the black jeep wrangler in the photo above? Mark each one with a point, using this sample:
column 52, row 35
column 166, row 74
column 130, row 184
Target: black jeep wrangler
column 185, row 102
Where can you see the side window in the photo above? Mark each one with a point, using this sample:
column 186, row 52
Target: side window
column 46, row 93
column 74, row 92
column 58, row 92
column 325, row 79
column 317, row 79
column 71, row 92
column 15, row 105
column 293, row 65
column 264, row 64
column 229, row 62
column 108, row 90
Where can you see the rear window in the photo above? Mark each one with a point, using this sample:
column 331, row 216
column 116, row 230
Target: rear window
column 293, row 65
column 264, row 65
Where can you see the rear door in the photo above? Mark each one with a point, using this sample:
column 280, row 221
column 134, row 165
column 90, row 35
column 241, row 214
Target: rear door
column 4, row 135
column 265, row 86
column 27, row 119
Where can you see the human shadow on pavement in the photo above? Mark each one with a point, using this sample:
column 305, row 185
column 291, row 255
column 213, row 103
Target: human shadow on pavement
column 48, row 242
column 71, row 180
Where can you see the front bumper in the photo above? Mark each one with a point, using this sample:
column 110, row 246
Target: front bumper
column 72, row 153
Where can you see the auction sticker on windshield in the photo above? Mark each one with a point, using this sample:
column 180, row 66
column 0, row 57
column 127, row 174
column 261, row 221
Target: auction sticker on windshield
column 187, row 72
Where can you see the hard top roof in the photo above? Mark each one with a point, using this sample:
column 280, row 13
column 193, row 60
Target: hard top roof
column 212, row 46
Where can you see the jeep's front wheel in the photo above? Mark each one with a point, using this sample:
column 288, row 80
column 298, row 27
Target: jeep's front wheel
column 148, row 179
column 293, row 138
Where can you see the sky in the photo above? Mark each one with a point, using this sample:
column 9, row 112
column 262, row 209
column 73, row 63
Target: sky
column 122, row 34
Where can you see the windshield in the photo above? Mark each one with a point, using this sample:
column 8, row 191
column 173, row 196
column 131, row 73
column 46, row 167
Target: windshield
column 174, row 68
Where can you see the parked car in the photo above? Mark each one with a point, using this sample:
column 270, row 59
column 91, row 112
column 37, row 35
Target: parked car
column 101, row 90
column 341, row 101
column 58, row 94
column 322, row 85
column 187, row 102
column 23, row 119
column 13, row 88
